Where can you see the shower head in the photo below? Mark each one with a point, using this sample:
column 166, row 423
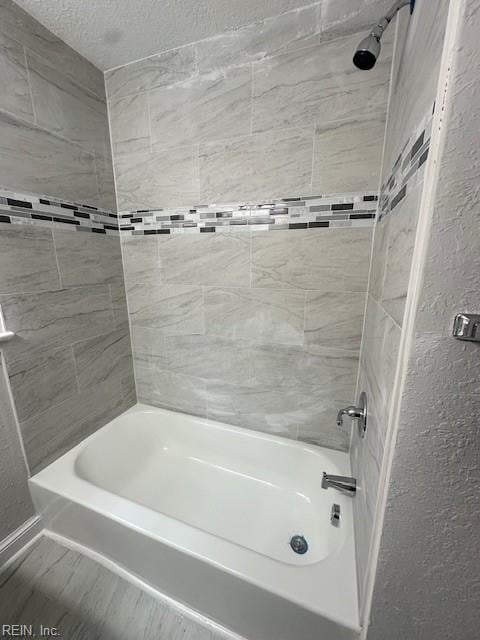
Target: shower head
column 369, row 48
column 367, row 53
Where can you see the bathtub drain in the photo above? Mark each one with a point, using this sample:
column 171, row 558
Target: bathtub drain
column 299, row 544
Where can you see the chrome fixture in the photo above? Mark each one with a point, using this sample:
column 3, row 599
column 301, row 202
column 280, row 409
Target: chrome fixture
column 356, row 413
column 299, row 544
column 4, row 334
column 369, row 48
column 335, row 515
column 466, row 326
column 342, row 483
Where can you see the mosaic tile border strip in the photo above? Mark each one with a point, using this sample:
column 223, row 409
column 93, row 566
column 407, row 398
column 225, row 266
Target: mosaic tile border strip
column 337, row 211
column 17, row 208
column 407, row 170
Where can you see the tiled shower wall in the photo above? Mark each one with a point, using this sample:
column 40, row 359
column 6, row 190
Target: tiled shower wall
column 61, row 285
column 54, row 136
column 255, row 328
column 414, row 83
column 258, row 329
column 271, row 110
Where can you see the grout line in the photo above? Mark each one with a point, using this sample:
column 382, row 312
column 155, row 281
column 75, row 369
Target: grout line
column 149, row 116
column 56, row 258
column 96, row 174
column 304, row 343
column 29, row 82
column 313, row 157
column 251, row 261
column 252, row 81
column 129, row 315
column 198, row 171
column 75, row 368
column 109, row 123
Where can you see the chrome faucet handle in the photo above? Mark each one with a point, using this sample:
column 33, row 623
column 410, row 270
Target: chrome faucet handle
column 356, row 413
column 351, row 412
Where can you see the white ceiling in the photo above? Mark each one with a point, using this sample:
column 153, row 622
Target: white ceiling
column 113, row 32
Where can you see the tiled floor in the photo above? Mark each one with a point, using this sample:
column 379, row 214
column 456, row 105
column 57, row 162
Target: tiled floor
column 53, row 586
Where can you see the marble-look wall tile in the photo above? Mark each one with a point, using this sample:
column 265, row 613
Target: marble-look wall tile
column 15, row 505
column 266, row 165
column 348, row 156
column 271, row 410
column 43, row 381
column 150, row 180
column 342, row 17
column 157, row 71
column 130, row 125
column 106, row 197
column 15, row 95
column 101, row 358
column 84, row 258
column 27, row 259
column 307, row 366
column 414, row 80
column 328, row 260
column 65, row 108
column 149, row 344
column 378, row 362
column 286, row 32
column 290, row 411
column 170, row 309
column 53, row 115
column 210, row 259
column 208, row 357
column 400, row 240
column 210, row 107
column 379, row 355
column 49, row 434
column 49, row 319
column 251, row 99
column 22, row 27
column 140, row 259
column 319, row 423
column 334, row 319
column 318, row 85
column 264, row 315
column 118, row 298
column 239, row 351
column 379, row 253
column 47, row 164
column 176, row 391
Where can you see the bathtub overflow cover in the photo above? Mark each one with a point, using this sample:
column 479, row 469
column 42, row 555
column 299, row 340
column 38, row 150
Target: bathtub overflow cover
column 299, row 544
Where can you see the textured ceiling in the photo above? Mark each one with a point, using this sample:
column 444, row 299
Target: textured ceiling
column 113, row 32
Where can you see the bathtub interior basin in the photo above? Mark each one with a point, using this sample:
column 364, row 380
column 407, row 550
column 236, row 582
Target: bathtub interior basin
column 256, row 492
column 184, row 502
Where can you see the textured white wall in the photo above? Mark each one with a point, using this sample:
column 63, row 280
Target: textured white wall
column 428, row 575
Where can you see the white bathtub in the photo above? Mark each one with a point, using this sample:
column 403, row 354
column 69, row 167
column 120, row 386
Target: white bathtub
column 204, row 512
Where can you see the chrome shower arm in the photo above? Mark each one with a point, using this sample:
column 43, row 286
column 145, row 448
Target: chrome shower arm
column 379, row 28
